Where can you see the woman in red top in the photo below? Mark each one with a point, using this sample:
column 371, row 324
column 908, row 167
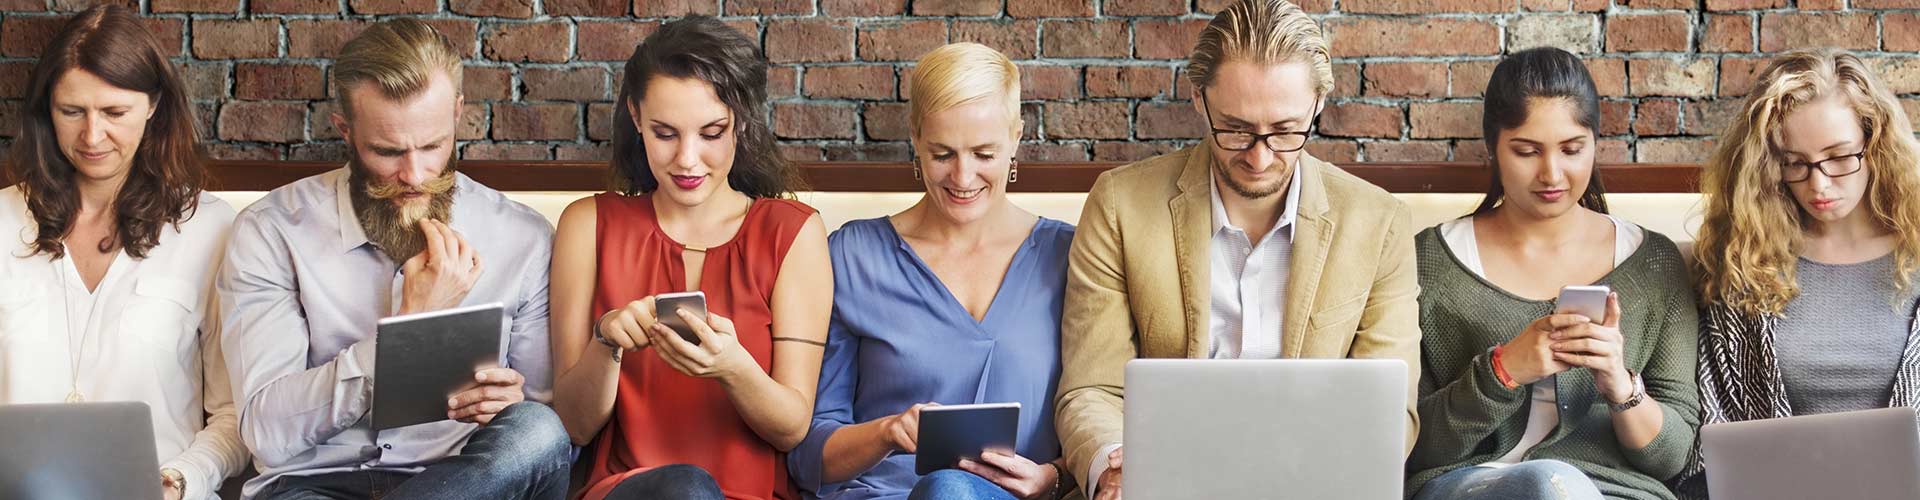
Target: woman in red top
column 696, row 204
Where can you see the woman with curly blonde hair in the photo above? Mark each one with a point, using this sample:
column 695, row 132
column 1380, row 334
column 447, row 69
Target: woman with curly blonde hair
column 1805, row 261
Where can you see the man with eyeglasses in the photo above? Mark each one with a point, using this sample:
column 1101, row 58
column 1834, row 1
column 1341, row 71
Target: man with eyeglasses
column 1240, row 247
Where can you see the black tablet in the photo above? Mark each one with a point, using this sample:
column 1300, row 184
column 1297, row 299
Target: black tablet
column 421, row 360
column 951, row 433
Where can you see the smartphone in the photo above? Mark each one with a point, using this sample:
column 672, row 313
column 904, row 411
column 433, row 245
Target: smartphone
column 1589, row 301
column 665, row 305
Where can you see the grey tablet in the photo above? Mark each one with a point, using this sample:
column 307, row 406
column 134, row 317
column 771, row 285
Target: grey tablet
column 951, row 433
column 420, row 360
column 78, row 450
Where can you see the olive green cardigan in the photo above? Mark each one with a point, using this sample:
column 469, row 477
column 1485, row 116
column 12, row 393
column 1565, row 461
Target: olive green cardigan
column 1470, row 418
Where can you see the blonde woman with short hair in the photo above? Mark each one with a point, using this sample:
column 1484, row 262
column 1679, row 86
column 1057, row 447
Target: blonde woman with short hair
column 1806, row 259
column 956, row 300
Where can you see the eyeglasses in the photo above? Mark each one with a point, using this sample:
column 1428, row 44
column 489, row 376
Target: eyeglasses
column 1278, row 142
column 1838, row 166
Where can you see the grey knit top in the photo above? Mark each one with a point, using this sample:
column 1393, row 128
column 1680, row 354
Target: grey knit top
column 1839, row 342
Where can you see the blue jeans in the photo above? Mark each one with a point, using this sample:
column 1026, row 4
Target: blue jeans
column 522, row 454
column 672, row 482
column 1529, row 480
column 956, row 484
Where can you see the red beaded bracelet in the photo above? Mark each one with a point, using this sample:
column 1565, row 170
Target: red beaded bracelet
column 1500, row 370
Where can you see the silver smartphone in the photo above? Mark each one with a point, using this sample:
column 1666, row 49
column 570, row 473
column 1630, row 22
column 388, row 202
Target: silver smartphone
column 1589, row 301
column 665, row 305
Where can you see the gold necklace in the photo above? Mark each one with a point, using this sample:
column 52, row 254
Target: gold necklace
column 66, row 311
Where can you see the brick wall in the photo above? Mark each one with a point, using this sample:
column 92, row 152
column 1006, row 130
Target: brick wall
column 1101, row 76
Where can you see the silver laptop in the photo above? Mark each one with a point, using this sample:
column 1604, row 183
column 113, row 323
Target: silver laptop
column 1265, row 429
column 78, row 451
column 1859, row 454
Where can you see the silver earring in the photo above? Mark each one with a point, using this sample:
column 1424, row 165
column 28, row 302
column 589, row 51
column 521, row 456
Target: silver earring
column 916, row 169
column 1013, row 171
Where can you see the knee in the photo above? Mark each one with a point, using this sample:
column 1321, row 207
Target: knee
column 945, row 484
column 532, row 431
column 688, row 481
column 1551, row 478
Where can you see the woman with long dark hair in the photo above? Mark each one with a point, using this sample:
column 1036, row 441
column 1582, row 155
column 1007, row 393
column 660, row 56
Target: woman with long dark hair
column 105, row 285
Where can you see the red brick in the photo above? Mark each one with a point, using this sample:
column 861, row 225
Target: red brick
column 1666, row 77
column 782, row 81
column 205, row 6
column 612, row 40
column 956, row 7
column 1659, row 4
column 571, row 84
column 13, row 79
column 1545, row 5
column 1886, row 4
column 238, row 39
column 263, row 121
column 517, row 9
column 473, row 122
column 1728, row 33
column 1729, row 5
column 1782, row 32
column 1611, row 151
column 26, row 36
column 294, row 7
column 900, row 40
column 1649, row 33
column 1367, row 36
column 863, row 8
column 320, row 38
column 21, row 6
column 462, row 33
column 1406, row 151
column 1445, row 120
column 1425, row 6
column 600, row 121
column 1355, row 119
column 486, row 83
column 1471, row 151
column 1166, row 38
column 255, row 152
column 809, row 40
column 170, row 33
column 1577, row 33
column 1616, row 117
column 1084, row 38
column 1086, row 120
column 1470, row 78
column 1070, row 151
column 1131, row 151
column 676, row 8
column 1737, row 75
column 535, row 122
column 400, row 6
column 1333, row 150
column 1169, row 120
column 487, row 151
column 1049, row 82
column 889, row 151
column 1016, row 39
column 1143, row 82
column 206, row 120
column 320, row 121
column 812, row 120
column 326, row 151
column 849, row 82
column 1142, row 8
column 767, row 7
column 1609, row 76
column 1590, row 5
column 583, row 152
column 1712, row 117
column 886, row 121
column 257, row 81
column 527, row 42
column 1655, row 117
column 1051, row 8
column 1900, row 32
column 1902, row 76
column 1346, row 80
column 1406, row 79
column 591, row 8
column 1820, row 4
column 1694, row 150
column 800, row 152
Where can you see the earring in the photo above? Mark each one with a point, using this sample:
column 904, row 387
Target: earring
column 916, row 169
column 1013, row 171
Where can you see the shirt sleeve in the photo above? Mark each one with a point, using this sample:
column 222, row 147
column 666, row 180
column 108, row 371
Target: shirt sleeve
column 528, row 350
column 832, row 408
column 216, row 452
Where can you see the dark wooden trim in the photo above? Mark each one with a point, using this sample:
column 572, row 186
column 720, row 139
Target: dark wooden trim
column 1061, row 177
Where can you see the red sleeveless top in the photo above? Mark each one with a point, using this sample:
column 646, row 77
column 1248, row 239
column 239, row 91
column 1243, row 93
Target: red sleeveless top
column 661, row 417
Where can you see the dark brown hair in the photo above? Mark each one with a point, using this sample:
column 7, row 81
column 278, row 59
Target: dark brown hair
column 164, row 183
column 1540, row 72
column 703, row 48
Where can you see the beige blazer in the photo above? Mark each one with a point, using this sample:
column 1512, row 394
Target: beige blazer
column 1137, row 285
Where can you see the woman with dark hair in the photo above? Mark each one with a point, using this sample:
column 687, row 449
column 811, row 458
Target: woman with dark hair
column 104, row 290
column 1522, row 399
column 698, row 203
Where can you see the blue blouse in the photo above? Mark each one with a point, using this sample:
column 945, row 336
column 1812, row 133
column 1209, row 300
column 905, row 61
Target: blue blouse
column 899, row 338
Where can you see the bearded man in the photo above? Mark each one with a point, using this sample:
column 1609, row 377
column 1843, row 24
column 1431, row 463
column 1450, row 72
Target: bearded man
column 312, row 268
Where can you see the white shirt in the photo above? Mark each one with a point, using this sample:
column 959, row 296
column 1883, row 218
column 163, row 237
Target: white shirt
column 1248, row 290
column 1541, row 415
column 146, row 334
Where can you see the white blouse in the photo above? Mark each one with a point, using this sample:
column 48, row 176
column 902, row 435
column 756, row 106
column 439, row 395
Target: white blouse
column 145, row 334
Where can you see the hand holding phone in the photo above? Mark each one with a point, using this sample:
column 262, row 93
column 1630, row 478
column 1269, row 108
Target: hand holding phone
column 666, row 308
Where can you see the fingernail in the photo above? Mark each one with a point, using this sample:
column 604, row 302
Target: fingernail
column 451, row 402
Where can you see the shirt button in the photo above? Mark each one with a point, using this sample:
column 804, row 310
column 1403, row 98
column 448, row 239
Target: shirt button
column 387, row 446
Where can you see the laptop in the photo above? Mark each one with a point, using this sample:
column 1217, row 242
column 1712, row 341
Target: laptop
column 78, row 451
column 424, row 359
column 1858, row 454
column 1265, row 428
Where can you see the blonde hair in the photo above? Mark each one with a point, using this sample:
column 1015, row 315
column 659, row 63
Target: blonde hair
column 399, row 56
column 1745, row 251
column 1262, row 32
column 957, row 74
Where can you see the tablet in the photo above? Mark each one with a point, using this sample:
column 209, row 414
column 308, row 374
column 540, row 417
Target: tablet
column 951, row 433
column 421, row 360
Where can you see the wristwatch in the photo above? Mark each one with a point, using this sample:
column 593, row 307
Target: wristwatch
column 1639, row 394
column 176, row 477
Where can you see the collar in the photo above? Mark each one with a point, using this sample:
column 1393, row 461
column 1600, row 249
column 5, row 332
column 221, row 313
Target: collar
column 1289, row 211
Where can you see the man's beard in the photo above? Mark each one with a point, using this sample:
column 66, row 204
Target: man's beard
column 395, row 229
column 1251, row 192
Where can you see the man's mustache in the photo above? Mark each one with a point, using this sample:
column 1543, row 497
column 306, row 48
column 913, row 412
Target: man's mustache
column 390, row 190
